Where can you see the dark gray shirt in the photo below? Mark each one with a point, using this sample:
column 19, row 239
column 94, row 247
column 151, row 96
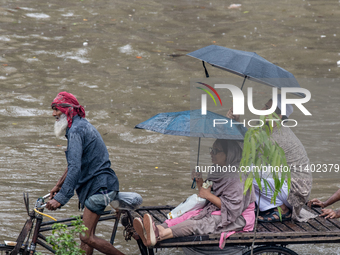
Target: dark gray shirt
column 89, row 167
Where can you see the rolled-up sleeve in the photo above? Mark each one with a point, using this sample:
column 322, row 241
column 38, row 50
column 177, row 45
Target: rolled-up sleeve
column 74, row 156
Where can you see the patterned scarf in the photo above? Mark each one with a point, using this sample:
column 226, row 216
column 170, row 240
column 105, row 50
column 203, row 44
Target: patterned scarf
column 68, row 104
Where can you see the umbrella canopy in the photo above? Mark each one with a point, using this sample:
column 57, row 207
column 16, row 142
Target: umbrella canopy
column 192, row 123
column 248, row 65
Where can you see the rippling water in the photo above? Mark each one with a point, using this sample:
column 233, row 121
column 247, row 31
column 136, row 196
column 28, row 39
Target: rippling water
column 124, row 60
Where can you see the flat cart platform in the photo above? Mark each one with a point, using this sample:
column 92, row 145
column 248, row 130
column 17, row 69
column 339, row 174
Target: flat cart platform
column 271, row 238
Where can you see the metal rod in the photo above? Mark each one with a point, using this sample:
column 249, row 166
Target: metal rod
column 151, row 251
column 27, row 203
column 46, row 196
column 193, row 185
column 142, row 247
column 244, row 80
column 114, row 231
column 47, row 247
column 22, row 236
column 152, row 214
column 206, row 71
column 198, row 152
column 70, row 219
column 70, row 223
column 162, row 207
column 34, row 240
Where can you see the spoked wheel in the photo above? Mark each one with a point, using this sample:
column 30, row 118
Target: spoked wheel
column 271, row 250
column 6, row 249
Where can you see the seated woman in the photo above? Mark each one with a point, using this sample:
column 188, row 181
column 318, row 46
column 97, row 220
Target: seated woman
column 223, row 211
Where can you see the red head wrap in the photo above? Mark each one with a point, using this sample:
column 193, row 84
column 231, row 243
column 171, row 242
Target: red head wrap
column 68, row 104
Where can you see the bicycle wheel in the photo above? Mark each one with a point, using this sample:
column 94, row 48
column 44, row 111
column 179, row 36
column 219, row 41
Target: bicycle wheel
column 271, row 250
column 6, row 249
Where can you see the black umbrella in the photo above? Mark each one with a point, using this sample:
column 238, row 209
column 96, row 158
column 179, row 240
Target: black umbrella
column 246, row 64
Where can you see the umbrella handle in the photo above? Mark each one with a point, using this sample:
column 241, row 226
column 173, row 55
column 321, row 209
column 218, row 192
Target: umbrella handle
column 193, row 185
column 206, row 71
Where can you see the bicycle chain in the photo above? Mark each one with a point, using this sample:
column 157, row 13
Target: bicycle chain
column 128, row 232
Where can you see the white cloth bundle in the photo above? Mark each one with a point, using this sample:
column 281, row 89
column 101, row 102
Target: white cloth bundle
column 192, row 203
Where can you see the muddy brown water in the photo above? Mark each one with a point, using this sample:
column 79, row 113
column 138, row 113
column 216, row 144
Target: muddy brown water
column 125, row 61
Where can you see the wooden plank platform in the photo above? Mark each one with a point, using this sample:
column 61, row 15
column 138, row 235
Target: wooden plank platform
column 317, row 230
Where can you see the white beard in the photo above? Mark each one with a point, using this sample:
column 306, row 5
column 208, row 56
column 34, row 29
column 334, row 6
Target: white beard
column 60, row 126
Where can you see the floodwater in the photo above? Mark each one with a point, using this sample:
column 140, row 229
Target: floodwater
column 125, row 62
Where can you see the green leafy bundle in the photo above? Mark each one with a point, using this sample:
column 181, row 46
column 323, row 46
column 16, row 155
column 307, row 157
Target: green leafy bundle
column 63, row 238
column 259, row 151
